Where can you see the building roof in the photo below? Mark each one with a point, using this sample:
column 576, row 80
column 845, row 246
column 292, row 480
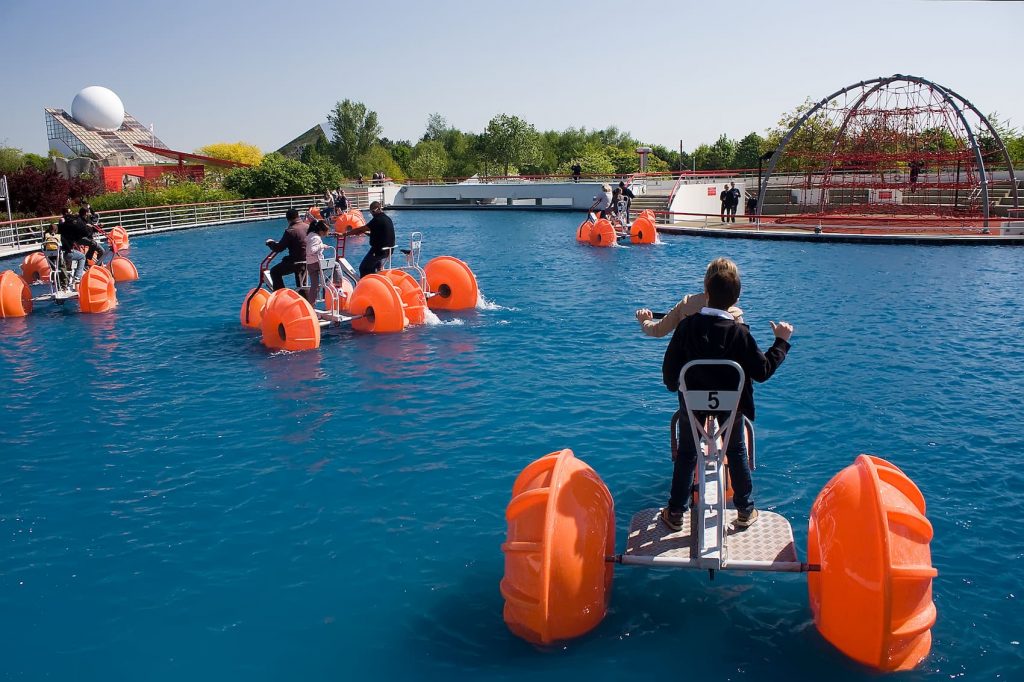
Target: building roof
column 64, row 131
column 294, row 148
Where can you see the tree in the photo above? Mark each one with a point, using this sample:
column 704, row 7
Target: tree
column 429, row 160
column 11, row 159
column 46, row 193
column 592, row 159
column 748, row 151
column 437, row 126
column 377, row 159
column 509, row 140
column 400, row 151
column 355, row 131
column 275, row 176
column 240, row 152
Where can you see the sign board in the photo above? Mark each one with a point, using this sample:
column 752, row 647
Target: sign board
column 712, row 191
column 3, row 187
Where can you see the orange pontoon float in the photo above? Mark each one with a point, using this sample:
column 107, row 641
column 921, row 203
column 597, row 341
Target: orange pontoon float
column 95, row 293
column 868, row 556
column 604, row 232
column 383, row 302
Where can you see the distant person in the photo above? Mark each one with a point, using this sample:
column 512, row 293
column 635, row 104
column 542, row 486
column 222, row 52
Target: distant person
column 341, row 201
column 382, row 239
column 751, row 209
column 73, row 233
column 628, row 196
column 734, row 202
column 723, row 196
column 95, row 253
column 915, row 172
column 713, row 334
column 294, row 240
column 690, row 304
column 314, row 252
column 577, row 170
column 328, row 201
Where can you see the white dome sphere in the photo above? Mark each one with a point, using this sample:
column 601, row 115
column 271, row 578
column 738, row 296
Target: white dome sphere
column 98, row 108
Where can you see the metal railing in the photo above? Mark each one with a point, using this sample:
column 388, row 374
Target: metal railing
column 21, row 236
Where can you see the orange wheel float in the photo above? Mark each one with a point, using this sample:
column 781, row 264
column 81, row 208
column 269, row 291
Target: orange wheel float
column 96, row 292
column 872, row 598
column 649, row 214
column 642, row 231
column 561, row 526
column 35, row 267
column 123, row 269
column 15, row 295
column 583, row 231
column 289, row 322
column 348, row 219
column 453, row 282
column 252, row 307
column 377, row 299
column 118, row 237
column 411, row 294
column 603, row 234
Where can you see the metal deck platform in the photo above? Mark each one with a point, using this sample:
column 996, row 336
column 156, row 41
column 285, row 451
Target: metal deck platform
column 765, row 546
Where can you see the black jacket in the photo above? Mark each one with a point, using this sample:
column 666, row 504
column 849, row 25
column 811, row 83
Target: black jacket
column 382, row 233
column 293, row 239
column 72, row 231
column 708, row 337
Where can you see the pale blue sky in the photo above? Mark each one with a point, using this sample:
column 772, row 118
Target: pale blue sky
column 263, row 72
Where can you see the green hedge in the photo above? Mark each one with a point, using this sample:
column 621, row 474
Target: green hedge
column 185, row 192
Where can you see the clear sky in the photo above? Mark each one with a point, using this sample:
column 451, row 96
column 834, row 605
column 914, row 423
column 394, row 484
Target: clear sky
column 263, row 72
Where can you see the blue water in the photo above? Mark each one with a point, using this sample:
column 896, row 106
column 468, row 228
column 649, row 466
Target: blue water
column 178, row 503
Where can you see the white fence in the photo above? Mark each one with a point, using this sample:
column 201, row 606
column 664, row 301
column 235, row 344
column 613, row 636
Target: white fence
column 22, row 236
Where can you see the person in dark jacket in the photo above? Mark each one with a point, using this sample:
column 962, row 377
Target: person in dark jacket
column 76, row 231
column 382, row 239
column 294, row 240
column 713, row 334
column 723, row 196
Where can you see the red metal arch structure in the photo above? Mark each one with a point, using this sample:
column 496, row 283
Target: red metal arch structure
column 897, row 146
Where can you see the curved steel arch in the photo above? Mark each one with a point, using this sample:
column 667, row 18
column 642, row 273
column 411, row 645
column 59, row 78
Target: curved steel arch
column 881, row 82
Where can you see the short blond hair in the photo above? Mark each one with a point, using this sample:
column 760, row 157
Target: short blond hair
column 722, row 283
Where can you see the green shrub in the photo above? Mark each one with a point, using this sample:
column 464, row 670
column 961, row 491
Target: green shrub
column 181, row 192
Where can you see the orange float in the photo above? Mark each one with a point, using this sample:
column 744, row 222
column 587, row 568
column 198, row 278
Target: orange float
column 642, row 231
column 561, row 526
column 15, row 295
column 872, row 598
column 411, row 293
column 289, row 322
column 123, row 269
column 453, row 283
column 96, row 292
column 583, row 231
column 35, row 267
column 649, row 214
column 603, row 234
column 349, row 219
column 252, row 307
column 118, row 237
column 379, row 303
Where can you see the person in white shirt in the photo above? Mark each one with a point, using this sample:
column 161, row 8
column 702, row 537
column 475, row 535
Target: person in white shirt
column 314, row 251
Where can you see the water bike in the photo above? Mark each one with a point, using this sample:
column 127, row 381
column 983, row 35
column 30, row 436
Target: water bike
column 383, row 302
column 869, row 571
column 95, row 292
column 608, row 232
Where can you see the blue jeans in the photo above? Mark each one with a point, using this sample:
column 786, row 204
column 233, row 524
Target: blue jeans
column 77, row 263
column 686, row 464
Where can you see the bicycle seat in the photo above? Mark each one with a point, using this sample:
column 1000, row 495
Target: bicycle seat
column 406, row 251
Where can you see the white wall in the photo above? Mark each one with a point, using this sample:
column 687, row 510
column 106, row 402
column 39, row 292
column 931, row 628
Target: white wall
column 703, row 198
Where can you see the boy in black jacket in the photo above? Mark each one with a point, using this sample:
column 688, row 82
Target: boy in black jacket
column 713, row 334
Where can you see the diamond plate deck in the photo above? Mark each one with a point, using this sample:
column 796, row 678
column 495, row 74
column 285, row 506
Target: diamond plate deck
column 769, row 540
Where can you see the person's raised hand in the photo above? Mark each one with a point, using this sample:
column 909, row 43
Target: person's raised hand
column 783, row 330
column 644, row 314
